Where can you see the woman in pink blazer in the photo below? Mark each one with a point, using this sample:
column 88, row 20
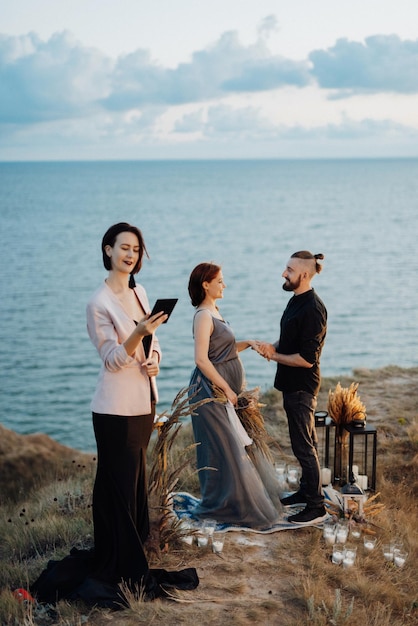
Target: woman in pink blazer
column 123, row 407
column 121, row 327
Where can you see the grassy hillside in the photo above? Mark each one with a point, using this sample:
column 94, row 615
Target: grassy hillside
column 285, row 578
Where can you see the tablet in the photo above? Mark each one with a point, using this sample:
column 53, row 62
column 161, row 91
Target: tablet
column 165, row 304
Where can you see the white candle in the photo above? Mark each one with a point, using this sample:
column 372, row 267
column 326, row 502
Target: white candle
column 329, row 539
column 369, row 544
column 325, row 476
column 342, row 535
column 292, row 475
column 350, row 553
column 202, row 541
column 217, row 545
column 188, row 539
column 399, row 559
column 362, row 481
column 388, row 552
column 337, row 556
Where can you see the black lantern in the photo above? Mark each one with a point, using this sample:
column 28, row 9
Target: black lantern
column 325, row 429
column 362, row 452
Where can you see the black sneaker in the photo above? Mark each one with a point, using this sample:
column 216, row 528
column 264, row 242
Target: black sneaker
column 308, row 516
column 295, row 498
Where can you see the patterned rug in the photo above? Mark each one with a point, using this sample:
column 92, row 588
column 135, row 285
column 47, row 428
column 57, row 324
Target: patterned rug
column 184, row 503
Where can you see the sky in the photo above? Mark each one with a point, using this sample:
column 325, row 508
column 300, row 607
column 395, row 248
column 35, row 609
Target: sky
column 187, row 79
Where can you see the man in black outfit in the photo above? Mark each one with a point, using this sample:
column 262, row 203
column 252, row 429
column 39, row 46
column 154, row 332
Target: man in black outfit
column 297, row 352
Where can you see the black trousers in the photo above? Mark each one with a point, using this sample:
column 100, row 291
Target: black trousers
column 300, row 410
column 120, row 503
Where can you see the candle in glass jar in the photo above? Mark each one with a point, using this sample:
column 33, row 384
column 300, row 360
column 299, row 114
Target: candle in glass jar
column 337, row 554
column 399, row 558
column 369, row 543
column 388, row 552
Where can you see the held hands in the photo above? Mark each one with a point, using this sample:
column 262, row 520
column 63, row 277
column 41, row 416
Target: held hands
column 267, row 350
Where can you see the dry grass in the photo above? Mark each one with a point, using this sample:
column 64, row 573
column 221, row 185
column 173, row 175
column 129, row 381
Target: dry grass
column 282, row 579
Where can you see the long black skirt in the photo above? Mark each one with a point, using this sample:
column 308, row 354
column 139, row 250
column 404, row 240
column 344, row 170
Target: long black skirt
column 120, row 505
column 121, row 525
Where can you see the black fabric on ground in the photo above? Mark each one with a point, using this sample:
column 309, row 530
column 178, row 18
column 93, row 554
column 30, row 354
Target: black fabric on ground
column 70, row 579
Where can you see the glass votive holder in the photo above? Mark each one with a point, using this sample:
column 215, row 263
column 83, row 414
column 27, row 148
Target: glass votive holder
column 281, row 469
column 293, row 476
column 399, row 557
column 208, row 527
column 338, row 551
column 397, row 544
column 349, row 558
column 202, row 539
column 329, row 533
column 186, row 528
column 388, row 552
column 369, row 542
column 355, row 531
column 218, row 541
column 342, row 532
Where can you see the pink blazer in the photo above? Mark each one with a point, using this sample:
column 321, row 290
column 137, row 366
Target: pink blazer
column 123, row 387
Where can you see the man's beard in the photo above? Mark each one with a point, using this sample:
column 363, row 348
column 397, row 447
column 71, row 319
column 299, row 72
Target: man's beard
column 291, row 286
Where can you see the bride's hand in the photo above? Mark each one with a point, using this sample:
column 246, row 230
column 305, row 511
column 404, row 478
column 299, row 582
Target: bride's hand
column 231, row 396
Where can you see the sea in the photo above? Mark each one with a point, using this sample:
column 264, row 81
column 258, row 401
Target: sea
column 249, row 216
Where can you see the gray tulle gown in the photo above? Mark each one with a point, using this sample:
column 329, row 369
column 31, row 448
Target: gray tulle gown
column 232, row 491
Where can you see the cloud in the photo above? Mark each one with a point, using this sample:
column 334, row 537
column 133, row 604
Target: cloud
column 245, row 121
column 62, row 79
column 49, row 80
column 224, row 68
column 350, row 129
column 62, row 94
column 383, row 63
column 225, row 121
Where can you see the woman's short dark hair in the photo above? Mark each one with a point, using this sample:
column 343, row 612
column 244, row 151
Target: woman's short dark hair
column 109, row 239
column 204, row 272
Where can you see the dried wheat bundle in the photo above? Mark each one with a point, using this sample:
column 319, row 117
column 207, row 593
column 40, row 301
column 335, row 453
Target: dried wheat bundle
column 344, row 405
column 372, row 508
column 249, row 412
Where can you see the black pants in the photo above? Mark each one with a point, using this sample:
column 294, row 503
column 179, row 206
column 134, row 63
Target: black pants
column 300, row 410
column 120, row 504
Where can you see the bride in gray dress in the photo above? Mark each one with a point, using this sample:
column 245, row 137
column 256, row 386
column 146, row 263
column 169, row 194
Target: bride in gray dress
column 232, row 488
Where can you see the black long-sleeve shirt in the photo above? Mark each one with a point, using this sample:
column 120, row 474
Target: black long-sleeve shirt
column 302, row 330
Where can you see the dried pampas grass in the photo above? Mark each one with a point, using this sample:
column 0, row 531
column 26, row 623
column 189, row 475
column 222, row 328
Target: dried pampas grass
column 164, row 474
column 344, row 405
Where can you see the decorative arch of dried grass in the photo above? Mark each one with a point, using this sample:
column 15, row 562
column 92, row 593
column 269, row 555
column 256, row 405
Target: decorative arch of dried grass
column 165, row 473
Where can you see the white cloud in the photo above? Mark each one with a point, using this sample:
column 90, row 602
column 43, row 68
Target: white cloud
column 60, row 93
column 383, row 63
column 50, row 80
column 225, row 67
